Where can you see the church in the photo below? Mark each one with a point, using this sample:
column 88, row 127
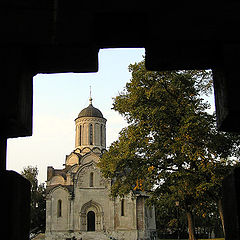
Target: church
column 78, row 201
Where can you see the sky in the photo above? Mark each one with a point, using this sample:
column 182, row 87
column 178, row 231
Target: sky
column 57, row 101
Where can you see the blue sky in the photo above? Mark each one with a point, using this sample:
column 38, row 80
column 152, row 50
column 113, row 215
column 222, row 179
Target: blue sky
column 58, row 98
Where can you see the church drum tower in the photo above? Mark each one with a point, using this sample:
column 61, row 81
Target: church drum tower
column 90, row 128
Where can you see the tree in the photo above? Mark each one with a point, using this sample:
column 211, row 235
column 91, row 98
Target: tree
column 170, row 142
column 210, row 190
column 38, row 206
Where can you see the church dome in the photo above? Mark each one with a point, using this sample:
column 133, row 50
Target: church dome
column 90, row 111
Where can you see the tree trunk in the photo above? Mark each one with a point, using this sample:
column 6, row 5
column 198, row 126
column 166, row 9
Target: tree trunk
column 220, row 210
column 190, row 226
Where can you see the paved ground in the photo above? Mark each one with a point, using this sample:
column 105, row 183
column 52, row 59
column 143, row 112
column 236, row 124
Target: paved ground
column 40, row 236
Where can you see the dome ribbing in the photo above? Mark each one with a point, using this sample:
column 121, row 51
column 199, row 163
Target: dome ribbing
column 90, row 111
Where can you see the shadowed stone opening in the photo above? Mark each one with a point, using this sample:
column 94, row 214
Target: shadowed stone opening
column 90, row 221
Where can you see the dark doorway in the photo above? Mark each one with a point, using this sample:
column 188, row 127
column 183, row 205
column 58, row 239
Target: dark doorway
column 91, row 221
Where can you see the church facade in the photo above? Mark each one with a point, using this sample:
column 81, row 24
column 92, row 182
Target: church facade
column 78, row 202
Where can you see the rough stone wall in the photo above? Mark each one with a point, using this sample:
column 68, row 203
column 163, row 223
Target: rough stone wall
column 150, row 217
column 127, row 221
column 58, row 223
column 136, row 222
column 140, row 213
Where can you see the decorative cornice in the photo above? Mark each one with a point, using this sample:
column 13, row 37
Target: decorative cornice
column 91, row 150
column 90, row 119
column 51, row 189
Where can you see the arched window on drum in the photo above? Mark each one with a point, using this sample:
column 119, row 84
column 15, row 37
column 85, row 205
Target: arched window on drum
column 80, row 135
column 90, row 134
column 101, row 135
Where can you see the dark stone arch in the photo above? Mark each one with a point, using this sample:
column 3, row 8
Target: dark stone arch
column 85, row 216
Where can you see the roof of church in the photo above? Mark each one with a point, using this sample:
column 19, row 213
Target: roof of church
column 90, row 111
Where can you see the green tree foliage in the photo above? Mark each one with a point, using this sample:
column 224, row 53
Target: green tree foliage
column 171, row 143
column 38, row 206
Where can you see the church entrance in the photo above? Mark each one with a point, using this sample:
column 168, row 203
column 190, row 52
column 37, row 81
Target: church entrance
column 91, row 217
column 90, row 221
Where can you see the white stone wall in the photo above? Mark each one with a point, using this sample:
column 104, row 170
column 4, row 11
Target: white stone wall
column 55, row 222
column 91, row 198
column 136, row 223
column 127, row 221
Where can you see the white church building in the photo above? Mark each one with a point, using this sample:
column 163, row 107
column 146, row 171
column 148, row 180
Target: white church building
column 78, row 201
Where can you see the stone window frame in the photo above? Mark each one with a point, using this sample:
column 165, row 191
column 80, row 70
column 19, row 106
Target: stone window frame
column 91, row 177
column 90, row 134
column 122, row 207
column 80, row 135
column 59, row 208
column 101, row 135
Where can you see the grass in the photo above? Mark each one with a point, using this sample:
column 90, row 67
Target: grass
column 212, row 239
column 198, row 239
